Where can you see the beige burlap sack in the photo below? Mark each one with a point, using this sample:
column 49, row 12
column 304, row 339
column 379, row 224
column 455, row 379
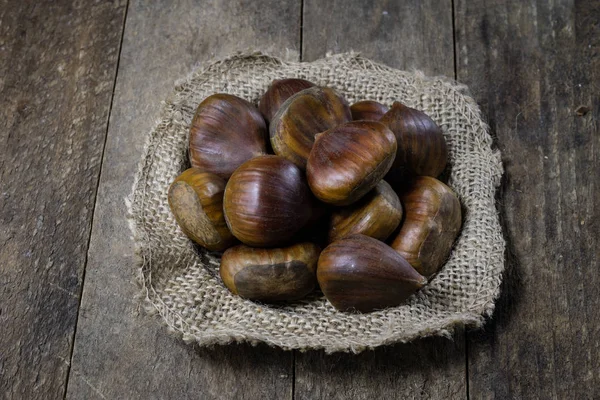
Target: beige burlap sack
column 181, row 282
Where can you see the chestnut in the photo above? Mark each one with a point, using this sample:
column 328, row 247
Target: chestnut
column 269, row 275
column 359, row 273
column 196, row 200
column 226, row 131
column 431, row 223
column 368, row 110
column 301, row 117
column 278, row 92
column 422, row 148
column 347, row 161
column 377, row 215
column 267, row 201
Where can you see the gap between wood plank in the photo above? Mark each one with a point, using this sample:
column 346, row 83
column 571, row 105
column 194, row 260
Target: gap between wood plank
column 454, row 44
column 112, row 97
column 301, row 26
column 454, row 48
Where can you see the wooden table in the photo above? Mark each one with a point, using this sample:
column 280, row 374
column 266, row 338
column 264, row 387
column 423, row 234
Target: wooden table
column 81, row 84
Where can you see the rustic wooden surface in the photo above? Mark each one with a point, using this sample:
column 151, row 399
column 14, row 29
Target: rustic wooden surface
column 533, row 67
column 57, row 67
column 410, row 34
column 119, row 351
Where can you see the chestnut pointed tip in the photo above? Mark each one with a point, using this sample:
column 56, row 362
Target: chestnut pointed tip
column 421, row 282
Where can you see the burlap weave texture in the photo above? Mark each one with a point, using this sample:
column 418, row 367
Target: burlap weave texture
column 181, row 282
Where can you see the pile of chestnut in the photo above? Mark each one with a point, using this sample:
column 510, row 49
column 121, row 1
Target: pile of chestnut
column 305, row 171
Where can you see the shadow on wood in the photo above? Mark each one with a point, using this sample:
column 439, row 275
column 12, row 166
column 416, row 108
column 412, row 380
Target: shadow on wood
column 512, row 283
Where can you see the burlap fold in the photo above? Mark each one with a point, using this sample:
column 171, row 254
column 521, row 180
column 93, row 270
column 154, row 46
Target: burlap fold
column 181, row 282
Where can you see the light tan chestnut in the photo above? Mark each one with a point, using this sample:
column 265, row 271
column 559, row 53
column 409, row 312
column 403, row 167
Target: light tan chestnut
column 421, row 145
column 301, row 117
column 267, row 201
column 278, row 92
column 368, row 110
column 196, row 200
column 431, row 223
column 270, row 275
column 347, row 161
column 226, row 131
column 359, row 273
column 376, row 215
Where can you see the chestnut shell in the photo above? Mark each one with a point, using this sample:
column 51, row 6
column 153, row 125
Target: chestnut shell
column 275, row 274
column 301, row 117
column 347, row 161
column 226, row 131
column 368, row 110
column 377, row 215
column 432, row 221
column 422, row 149
column 278, row 92
column 196, row 200
column 267, row 201
column 359, row 273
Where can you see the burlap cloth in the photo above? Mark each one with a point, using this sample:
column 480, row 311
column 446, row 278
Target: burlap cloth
column 181, row 282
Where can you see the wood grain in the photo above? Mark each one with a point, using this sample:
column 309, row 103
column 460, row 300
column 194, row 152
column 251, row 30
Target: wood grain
column 534, row 66
column 407, row 35
column 57, row 67
column 425, row 369
column 120, row 352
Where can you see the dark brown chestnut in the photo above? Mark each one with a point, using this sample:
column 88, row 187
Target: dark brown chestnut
column 421, row 145
column 359, row 273
column 196, row 200
column 276, row 274
column 267, row 201
column 226, row 131
column 432, row 221
column 368, row 110
column 377, row 215
column 301, row 117
column 278, row 92
column 347, row 161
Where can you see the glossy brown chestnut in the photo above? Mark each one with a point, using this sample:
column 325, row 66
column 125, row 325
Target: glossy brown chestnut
column 368, row 110
column 421, row 145
column 278, row 92
column 275, row 274
column 376, row 215
column 359, row 273
column 347, row 161
column 196, row 200
column 301, row 117
column 431, row 223
column 225, row 132
column 267, row 201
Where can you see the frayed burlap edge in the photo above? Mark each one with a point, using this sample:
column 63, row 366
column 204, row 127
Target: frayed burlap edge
column 159, row 298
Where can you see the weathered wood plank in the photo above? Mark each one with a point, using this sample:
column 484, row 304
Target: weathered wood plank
column 119, row 351
column 57, row 67
column 535, row 68
column 432, row 368
column 408, row 35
